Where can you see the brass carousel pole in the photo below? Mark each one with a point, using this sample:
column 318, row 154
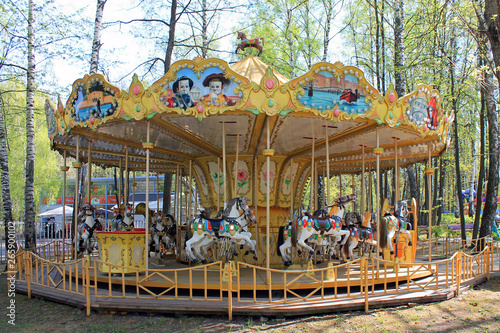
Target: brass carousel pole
column 176, row 212
column 148, row 146
column 190, row 201
column 64, row 169
column 218, row 183
column 236, row 166
column 120, row 192
column 255, row 164
column 291, row 189
column 126, row 180
column 89, row 167
column 396, row 173
column 224, row 161
column 77, row 165
column 327, row 166
column 134, row 184
column 269, row 152
column 157, row 192
column 313, row 176
column 429, row 171
column 378, row 151
column 363, row 194
column 176, row 195
column 370, row 188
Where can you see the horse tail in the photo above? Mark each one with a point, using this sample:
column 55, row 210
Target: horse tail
column 281, row 240
column 262, row 39
column 294, row 234
column 345, row 247
column 383, row 232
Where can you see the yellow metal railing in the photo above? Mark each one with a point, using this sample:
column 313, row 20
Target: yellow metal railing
column 255, row 284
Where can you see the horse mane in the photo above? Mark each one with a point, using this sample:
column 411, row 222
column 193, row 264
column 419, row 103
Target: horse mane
column 229, row 206
column 334, row 210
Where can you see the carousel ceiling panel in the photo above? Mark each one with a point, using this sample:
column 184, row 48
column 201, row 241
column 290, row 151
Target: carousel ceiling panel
column 210, row 132
column 293, row 134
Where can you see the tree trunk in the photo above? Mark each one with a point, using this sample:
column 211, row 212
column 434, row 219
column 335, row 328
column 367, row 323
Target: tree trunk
column 441, row 191
column 167, row 193
column 4, row 165
column 457, row 152
column 171, row 36
column 492, row 187
column 412, row 182
column 204, row 29
column 399, row 49
column 326, row 36
column 29, row 216
column 96, row 44
column 480, row 178
column 492, row 19
column 435, row 191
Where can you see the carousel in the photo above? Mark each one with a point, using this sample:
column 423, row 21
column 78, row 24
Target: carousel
column 247, row 147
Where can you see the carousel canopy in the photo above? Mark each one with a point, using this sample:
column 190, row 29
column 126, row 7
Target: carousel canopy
column 203, row 105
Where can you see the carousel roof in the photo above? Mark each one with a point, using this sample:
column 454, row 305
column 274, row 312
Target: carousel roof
column 331, row 102
column 255, row 69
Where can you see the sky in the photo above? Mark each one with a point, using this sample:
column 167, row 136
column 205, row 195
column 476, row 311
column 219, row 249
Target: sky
column 119, row 39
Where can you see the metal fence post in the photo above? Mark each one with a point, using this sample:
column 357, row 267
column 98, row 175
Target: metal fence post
column 364, row 280
column 230, row 292
column 459, row 271
column 87, row 284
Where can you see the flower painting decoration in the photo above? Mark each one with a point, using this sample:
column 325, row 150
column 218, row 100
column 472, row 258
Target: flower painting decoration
column 266, row 178
column 217, row 177
column 290, row 173
column 242, row 178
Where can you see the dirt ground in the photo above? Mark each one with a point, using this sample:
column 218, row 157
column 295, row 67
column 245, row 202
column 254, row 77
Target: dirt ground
column 476, row 310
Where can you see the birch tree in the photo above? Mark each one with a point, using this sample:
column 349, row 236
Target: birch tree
column 29, row 206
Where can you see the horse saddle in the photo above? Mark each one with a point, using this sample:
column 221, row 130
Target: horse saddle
column 365, row 233
column 322, row 224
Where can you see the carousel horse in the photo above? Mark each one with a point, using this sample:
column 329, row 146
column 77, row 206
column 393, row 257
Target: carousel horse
column 245, row 42
column 162, row 233
column 309, row 227
column 232, row 226
column 85, row 230
column 394, row 224
column 361, row 232
column 124, row 222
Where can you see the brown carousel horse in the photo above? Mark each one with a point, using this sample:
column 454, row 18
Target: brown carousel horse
column 245, row 42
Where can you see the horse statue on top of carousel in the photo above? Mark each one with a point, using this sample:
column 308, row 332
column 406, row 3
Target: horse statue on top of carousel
column 258, row 43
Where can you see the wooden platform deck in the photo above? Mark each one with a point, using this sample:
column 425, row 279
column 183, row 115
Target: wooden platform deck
column 276, row 309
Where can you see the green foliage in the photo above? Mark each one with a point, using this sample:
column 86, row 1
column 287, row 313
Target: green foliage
column 46, row 161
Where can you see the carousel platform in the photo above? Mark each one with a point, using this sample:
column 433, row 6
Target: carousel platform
column 244, row 306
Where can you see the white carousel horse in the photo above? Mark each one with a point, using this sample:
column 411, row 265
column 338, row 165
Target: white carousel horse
column 162, row 233
column 232, row 225
column 85, row 230
column 391, row 225
column 361, row 231
column 124, row 222
column 309, row 227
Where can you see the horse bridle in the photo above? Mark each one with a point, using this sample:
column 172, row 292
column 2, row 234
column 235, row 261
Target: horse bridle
column 246, row 211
